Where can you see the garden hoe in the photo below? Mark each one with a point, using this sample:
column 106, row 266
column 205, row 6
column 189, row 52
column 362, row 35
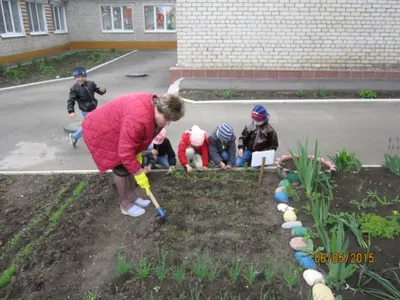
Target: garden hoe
column 162, row 215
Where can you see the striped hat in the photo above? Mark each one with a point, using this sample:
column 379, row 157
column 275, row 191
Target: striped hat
column 224, row 132
column 259, row 113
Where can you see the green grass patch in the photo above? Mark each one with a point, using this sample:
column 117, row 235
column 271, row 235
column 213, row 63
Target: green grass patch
column 55, row 217
column 7, row 275
column 28, row 249
column 16, row 238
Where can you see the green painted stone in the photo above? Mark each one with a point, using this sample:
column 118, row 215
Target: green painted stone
column 284, row 183
column 299, row 231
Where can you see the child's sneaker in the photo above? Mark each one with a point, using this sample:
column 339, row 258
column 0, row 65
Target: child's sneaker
column 141, row 202
column 73, row 140
column 134, row 211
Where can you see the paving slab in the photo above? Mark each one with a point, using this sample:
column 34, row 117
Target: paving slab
column 289, row 85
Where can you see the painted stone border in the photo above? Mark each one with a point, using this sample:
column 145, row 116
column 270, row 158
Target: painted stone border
column 66, row 78
column 292, row 175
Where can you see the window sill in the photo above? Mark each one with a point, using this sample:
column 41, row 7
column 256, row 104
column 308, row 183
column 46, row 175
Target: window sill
column 160, row 31
column 117, row 31
column 38, row 33
column 60, row 32
column 12, row 35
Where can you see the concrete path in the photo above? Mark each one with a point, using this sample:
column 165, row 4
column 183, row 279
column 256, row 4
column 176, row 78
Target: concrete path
column 289, row 85
column 32, row 118
column 32, row 136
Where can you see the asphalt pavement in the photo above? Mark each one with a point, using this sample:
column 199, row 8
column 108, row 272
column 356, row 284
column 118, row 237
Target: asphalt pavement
column 32, row 136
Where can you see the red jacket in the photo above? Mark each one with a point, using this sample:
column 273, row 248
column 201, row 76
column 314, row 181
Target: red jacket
column 184, row 143
column 117, row 131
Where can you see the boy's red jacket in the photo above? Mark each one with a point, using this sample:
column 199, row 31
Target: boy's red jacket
column 185, row 143
column 120, row 129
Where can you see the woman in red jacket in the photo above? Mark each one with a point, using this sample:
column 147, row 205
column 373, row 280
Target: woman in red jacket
column 116, row 134
column 193, row 147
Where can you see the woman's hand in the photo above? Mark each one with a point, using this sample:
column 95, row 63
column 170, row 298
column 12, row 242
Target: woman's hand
column 147, row 169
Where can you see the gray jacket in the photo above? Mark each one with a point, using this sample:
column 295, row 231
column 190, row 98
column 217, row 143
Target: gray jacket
column 216, row 147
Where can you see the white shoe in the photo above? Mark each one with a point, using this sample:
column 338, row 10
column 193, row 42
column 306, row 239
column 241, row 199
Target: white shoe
column 141, row 202
column 134, row 211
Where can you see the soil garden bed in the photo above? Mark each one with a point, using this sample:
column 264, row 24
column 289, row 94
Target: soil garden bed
column 52, row 67
column 63, row 237
column 200, row 95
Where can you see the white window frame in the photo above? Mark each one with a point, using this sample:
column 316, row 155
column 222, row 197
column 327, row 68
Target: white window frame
column 112, row 18
column 13, row 34
column 155, row 30
column 53, row 10
column 29, row 15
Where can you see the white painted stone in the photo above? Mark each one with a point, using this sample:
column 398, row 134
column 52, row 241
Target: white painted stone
column 282, row 207
column 312, row 277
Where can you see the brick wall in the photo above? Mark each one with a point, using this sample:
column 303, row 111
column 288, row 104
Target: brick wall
column 84, row 21
column 289, row 34
column 18, row 45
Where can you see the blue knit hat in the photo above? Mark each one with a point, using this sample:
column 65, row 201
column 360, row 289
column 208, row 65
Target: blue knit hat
column 259, row 113
column 225, row 132
column 79, row 72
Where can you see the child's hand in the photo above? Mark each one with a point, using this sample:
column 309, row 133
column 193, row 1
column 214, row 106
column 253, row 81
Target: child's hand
column 72, row 115
column 240, row 153
column 154, row 152
column 222, row 165
column 188, row 168
column 101, row 89
column 171, row 169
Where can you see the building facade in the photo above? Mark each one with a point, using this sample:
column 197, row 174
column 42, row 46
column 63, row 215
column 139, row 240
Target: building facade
column 288, row 39
column 34, row 28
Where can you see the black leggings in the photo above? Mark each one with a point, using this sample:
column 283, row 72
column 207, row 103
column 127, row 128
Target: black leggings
column 120, row 170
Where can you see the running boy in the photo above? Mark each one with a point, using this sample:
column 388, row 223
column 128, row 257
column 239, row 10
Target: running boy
column 82, row 92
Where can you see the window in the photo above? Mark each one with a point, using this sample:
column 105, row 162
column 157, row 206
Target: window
column 59, row 18
column 36, row 18
column 159, row 18
column 10, row 18
column 116, row 18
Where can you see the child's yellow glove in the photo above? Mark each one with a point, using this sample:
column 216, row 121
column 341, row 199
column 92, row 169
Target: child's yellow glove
column 143, row 182
column 139, row 158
